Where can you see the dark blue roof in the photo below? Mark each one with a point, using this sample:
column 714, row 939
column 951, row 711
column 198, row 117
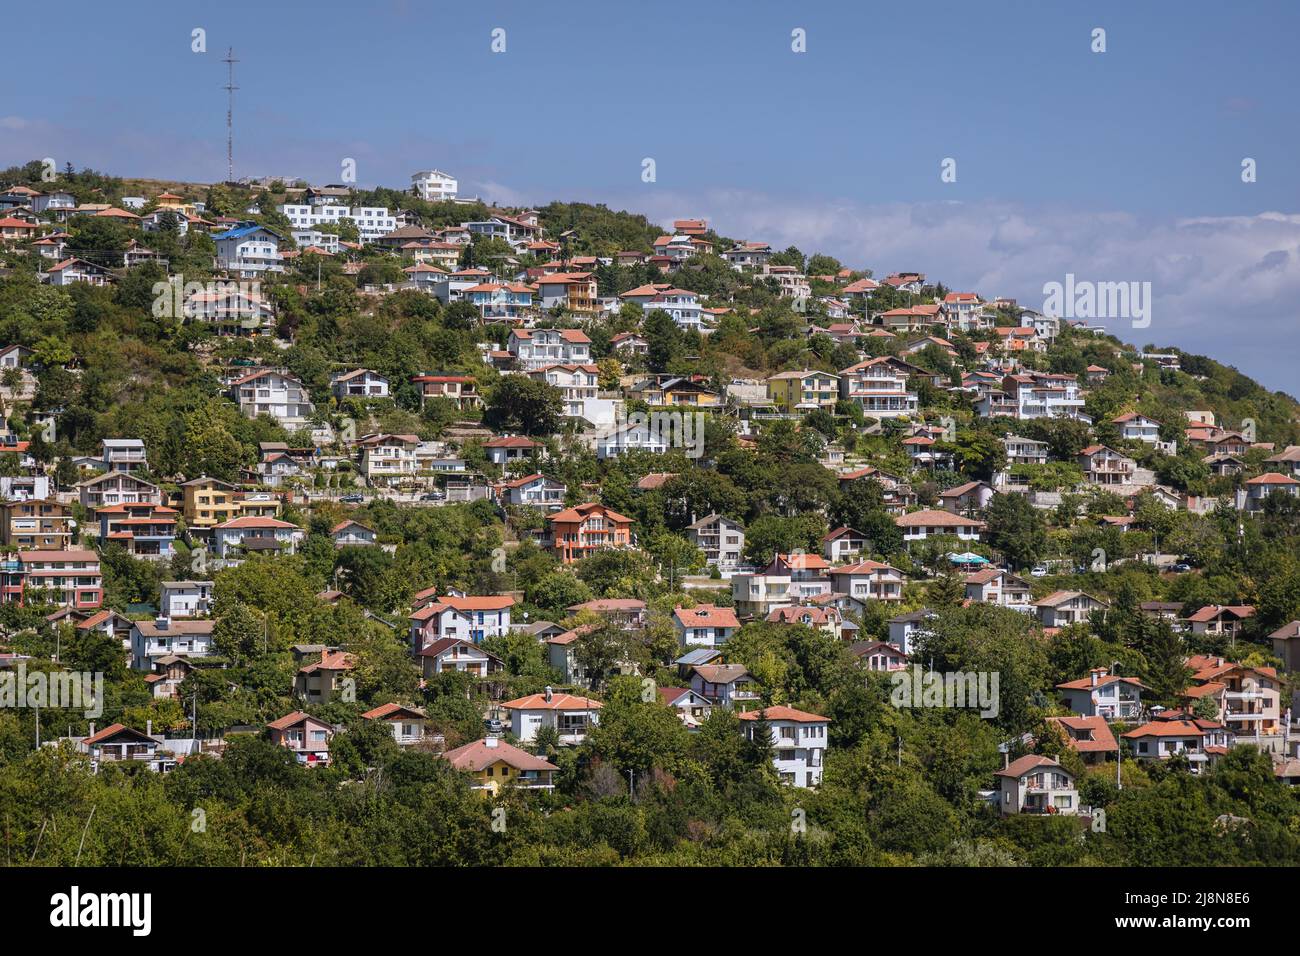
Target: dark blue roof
column 241, row 231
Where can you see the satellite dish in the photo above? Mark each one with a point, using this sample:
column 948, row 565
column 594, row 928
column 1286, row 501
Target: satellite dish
column 72, row 522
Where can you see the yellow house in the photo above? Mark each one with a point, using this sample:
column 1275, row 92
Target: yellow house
column 797, row 393
column 494, row 764
column 208, row 502
column 686, row 392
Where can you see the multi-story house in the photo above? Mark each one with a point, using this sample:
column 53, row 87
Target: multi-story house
column 37, row 524
column 273, row 392
column 879, row 386
column 682, row 304
column 504, row 449
column 960, row 308
column 570, row 715
column 164, row 637
column 1220, row 619
column 494, row 765
column 585, row 529
column 462, row 617
column 798, row 740
column 572, row 291
column 868, row 580
column 704, row 625
column 579, row 387
column 115, row 488
column 326, row 679
column 1105, row 466
column 462, row 656
column 123, row 454
column 1063, row 608
column 1042, row 395
column 239, row 536
column 185, row 599
column 538, row 348
column 629, row 436
column 305, row 736
column 996, row 586
column 1256, row 491
column 70, row 578
column 433, row 185
column 1136, row 427
column 353, row 534
column 249, row 252
column 748, row 255
column 721, row 539
column 1036, row 784
column 372, row 222
column 920, row 525
column 359, row 383
column 409, row 725
column 388, row 459
column 1019, row 451
column 461, row 389
column 535, row 490
column 724, row 685
column 1248, row 698
column 844, row 544
column 797, row 393
column 1103, row 694
column 500, row 300
column 144, row 529
column 1202, row 742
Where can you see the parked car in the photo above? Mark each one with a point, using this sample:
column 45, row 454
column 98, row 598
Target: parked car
column 353, row 498
column 433, row 496
column 1181, row 567
column 494, row 725
column 1039, row 571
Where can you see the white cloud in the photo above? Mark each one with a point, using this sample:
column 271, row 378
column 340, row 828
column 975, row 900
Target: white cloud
column 1224, row 286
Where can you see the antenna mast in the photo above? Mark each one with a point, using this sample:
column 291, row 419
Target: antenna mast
column 230, row 62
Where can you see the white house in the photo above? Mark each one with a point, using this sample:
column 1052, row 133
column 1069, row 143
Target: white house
column 359, row 383
column 571, row 716
column 231, row 539
column 721, row 539
column 538, row 348
column 273, row 392
column 1103, row 694
column 185, row 598
column 1036, row 784
column 163, row 636
column 704, row 625
column 468, row 618
column 248, row 251
column 798, row 741
column 433, row 185
column 1063, row 608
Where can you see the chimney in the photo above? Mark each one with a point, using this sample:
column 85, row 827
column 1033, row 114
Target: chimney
column 148, row 728
column 1097, row 672
column 548, row 693
column 490, row 742
column 92, row 729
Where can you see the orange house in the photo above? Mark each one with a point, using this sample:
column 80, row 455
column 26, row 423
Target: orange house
column 583, row 529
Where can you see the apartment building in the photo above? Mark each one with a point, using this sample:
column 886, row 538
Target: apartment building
column 800, row 392
column 433, row 185
column 249, row 251
column 388, row 459
column 70, row 578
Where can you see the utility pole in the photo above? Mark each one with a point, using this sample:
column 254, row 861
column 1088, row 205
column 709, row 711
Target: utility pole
column 194, row 721
column 230, row 62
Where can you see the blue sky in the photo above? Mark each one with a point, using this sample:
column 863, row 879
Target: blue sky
column 1123, row 165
